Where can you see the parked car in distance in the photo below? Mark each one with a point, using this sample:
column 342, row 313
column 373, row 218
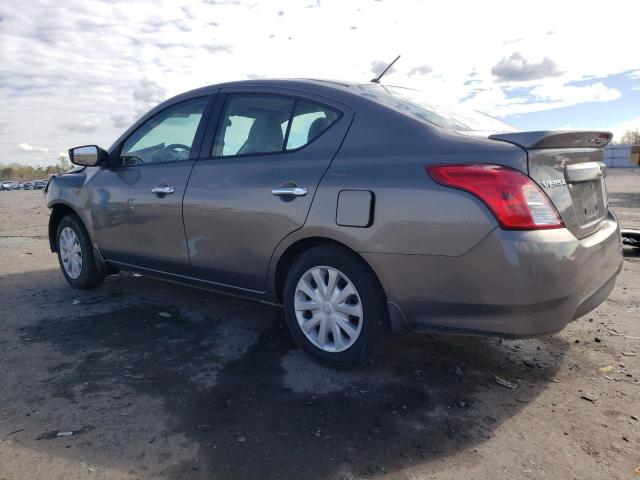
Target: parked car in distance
column 9, row 185
column 39, row 184
column 360, row 208
column 631, row 237
column 26, row 186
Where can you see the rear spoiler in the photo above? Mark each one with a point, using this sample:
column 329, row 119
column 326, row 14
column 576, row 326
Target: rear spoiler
column 556, row 139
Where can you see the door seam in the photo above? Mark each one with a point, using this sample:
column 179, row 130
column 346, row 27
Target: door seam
column 184, row 227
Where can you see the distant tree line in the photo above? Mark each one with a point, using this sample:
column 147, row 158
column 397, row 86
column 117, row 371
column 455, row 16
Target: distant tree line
column 27, row 173
column 630, row 137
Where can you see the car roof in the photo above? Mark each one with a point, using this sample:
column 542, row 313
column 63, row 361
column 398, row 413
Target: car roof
column 288, row 82
column 309, row 85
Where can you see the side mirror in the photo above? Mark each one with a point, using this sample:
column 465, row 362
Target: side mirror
column 88, row 156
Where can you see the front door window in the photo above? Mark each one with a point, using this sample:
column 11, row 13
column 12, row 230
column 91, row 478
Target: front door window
column 166, row 137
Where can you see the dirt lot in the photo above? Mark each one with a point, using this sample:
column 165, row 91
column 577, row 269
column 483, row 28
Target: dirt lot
column 142, row 379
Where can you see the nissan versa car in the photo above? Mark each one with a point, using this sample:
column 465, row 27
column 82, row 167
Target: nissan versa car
column 361, row 209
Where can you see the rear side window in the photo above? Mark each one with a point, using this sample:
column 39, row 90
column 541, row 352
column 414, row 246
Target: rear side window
column 254, row 124
column 310, row 120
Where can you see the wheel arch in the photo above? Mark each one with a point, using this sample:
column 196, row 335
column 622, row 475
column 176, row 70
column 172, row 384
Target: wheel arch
column 58, row 212
column 396, row 320
column 297, row 248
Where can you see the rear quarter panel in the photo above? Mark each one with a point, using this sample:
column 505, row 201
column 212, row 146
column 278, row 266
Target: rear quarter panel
column 386, row 153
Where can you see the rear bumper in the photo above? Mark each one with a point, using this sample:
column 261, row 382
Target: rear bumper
column 513, row 283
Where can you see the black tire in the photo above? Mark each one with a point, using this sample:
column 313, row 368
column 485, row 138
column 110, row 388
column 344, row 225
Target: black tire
column 374, row 308
column 90, row 276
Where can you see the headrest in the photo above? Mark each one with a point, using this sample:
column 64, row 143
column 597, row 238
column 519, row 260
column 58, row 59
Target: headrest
column 265, row 135
column 318, row 126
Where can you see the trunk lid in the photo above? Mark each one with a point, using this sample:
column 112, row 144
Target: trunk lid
column 568, row 167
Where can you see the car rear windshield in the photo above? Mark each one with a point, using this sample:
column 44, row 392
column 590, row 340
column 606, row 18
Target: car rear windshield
column 415, row 103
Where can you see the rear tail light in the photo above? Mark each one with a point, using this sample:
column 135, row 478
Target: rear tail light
column 515, row 200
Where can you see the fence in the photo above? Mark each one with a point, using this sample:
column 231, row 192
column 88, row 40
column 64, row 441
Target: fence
column 621, row 156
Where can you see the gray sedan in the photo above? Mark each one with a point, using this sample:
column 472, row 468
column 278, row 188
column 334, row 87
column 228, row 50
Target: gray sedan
column 362, row 209
column 9, row 185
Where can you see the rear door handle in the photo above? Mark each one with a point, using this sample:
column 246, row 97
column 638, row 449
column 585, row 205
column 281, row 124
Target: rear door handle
column 163, row 190
column 290, row 191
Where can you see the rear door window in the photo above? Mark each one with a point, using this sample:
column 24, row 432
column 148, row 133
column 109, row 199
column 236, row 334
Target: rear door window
column 253, row 124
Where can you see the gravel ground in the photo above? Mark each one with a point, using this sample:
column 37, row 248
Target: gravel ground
column 143, row 379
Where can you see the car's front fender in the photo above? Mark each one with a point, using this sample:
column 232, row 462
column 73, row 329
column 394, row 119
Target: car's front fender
column 67, row 193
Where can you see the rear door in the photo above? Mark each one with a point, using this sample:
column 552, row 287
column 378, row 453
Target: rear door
column 264, row 154
column 137, row 203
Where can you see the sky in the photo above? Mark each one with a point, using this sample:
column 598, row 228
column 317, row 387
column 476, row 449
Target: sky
column 76, row 72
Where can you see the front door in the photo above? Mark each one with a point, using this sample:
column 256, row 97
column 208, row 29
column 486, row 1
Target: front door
column 255, row 184
column 137, row 203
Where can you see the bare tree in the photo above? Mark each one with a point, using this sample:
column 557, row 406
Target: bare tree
column 630, row 137
column 64, row 164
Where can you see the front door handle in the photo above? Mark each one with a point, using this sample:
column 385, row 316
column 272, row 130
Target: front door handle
column 290, row 191
column 163, row 190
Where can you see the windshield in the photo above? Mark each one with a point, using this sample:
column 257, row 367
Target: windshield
column 415, row 103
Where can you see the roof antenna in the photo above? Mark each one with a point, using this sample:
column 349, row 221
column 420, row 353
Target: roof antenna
column 377, row 79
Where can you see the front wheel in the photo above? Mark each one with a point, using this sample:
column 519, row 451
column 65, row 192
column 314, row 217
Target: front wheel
column 334, row 306
column 75, row 254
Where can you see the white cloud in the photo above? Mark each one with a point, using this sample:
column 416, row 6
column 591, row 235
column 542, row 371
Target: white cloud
column 82, row 126
column 148, row 91
column 569, row 94
column 121, row 120
column 542, row 97
column 95, row 66
column 378, row 66
column 25, row 147
column 516, row 68
column 420, row 70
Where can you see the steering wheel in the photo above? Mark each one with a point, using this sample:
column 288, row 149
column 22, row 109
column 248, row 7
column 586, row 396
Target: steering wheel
column 171, row 151
column 130, row 160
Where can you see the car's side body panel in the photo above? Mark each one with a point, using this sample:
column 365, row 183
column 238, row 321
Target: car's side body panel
column 233, row 222
column 131, row 224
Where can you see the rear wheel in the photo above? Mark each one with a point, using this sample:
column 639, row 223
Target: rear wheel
column 334, row 306
column 75, row 254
